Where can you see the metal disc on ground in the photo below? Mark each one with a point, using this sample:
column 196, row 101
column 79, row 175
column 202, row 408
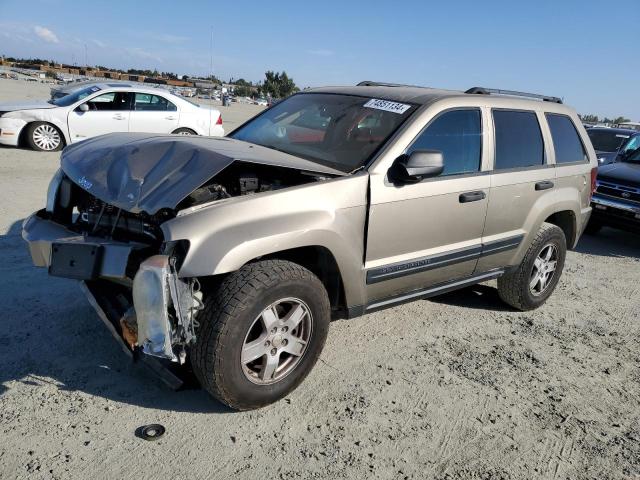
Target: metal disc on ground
column 151, row 432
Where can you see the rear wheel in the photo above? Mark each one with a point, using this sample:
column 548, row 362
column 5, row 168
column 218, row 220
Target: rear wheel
column 44, row 137
column 260, row 333
column 536, row 277
column 184, row 131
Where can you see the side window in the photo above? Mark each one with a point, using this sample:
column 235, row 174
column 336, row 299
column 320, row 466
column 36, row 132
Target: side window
column 566, row 141
column 458, row 135
column 518, row 139
column 110, row 101
column 154, row 103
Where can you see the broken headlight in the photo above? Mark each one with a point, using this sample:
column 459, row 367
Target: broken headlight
column 165, row 307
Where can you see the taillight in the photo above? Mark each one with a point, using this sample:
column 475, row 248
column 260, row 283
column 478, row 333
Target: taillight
column 594, row 176
column 219, row 122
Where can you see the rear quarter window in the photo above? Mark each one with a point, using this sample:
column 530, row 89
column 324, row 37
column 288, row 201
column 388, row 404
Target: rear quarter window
column 566, row 142
column 518, row 139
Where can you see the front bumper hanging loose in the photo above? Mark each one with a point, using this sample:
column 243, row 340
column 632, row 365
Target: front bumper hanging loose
column 153, row 314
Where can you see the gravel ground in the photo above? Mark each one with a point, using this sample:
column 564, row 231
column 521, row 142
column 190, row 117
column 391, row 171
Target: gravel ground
column 455, row 387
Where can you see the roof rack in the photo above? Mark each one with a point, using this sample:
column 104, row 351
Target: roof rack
column 512, row 93
column 369, row 83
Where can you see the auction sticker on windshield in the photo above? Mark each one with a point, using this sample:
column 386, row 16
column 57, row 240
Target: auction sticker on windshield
column 387, row 106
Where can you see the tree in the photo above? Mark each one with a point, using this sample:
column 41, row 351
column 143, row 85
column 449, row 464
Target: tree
column 619, row 120
column 590, row 118
column 278, row 85
column 242, row 90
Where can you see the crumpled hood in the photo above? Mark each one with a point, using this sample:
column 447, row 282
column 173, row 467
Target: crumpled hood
column 138, row 172
column 24, row 105
column 625, row 173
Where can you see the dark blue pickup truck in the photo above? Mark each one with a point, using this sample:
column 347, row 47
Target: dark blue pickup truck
column 616, row 201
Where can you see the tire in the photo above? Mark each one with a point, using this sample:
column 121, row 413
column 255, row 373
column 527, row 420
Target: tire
column 592, row 227
column 233, row 328
column 515, row 288
column 184, row 131
column 44, row 137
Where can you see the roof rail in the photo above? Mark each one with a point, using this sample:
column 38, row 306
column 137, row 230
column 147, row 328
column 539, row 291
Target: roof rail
column 512, row 93
column 369, row 83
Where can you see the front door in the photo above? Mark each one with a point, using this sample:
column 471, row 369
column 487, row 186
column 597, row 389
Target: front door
column 153, row 114
column 108, row 113
column 430, row 232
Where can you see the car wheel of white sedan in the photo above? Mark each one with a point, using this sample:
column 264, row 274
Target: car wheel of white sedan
column 44, row 137
column 184, row 131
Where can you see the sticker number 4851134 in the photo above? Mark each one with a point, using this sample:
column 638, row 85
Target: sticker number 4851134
column 387, row 106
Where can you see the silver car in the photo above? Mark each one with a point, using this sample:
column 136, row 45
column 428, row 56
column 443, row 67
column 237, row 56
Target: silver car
column 234, row 254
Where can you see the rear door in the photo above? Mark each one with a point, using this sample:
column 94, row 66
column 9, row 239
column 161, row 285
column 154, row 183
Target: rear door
column 108, row 113
column 521, row 175
column 153, row 113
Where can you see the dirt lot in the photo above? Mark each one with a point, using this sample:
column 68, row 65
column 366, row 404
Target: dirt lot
column 456, row 387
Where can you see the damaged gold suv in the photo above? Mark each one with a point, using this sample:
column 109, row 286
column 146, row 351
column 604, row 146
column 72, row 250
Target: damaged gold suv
column 231, row 255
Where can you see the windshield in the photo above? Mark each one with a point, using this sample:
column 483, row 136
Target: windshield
column 607, row 140
column 75, row 96
column 338, row 131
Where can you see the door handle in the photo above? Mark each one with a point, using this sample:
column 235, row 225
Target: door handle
column 471, row 196
column 545, row 185
column 118, row 117
column 170, row 118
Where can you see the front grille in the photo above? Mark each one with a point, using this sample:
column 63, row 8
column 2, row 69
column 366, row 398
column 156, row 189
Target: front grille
column 618, row 191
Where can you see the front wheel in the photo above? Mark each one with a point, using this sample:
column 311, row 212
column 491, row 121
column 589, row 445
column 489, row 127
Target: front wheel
column 535, row 279
column 261, row 332
column 44, row 137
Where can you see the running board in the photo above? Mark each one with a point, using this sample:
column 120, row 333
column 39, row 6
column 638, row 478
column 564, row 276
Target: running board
column 432, row 291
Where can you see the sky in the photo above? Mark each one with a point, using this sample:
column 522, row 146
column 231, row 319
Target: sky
column 580, row 50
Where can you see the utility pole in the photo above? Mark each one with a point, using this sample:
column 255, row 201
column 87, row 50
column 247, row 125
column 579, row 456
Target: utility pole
column 211, row 56
column 86, row 57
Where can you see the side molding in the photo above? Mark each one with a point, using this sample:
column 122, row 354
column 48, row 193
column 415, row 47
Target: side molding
column 423, row 264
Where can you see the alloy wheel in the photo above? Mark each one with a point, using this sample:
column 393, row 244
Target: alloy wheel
column 544, row 268
column 46, row 137
column 276, row 341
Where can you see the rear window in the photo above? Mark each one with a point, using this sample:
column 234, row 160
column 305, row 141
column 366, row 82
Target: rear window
column 518, row 139
column 566, row 142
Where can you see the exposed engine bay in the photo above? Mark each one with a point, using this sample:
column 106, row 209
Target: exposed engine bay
column 96, row 217
column 243, row 178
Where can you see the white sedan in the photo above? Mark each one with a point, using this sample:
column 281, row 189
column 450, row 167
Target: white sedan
column 103, row 108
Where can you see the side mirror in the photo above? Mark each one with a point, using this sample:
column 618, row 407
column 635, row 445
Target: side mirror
column 83, row 107
column 416, row 166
